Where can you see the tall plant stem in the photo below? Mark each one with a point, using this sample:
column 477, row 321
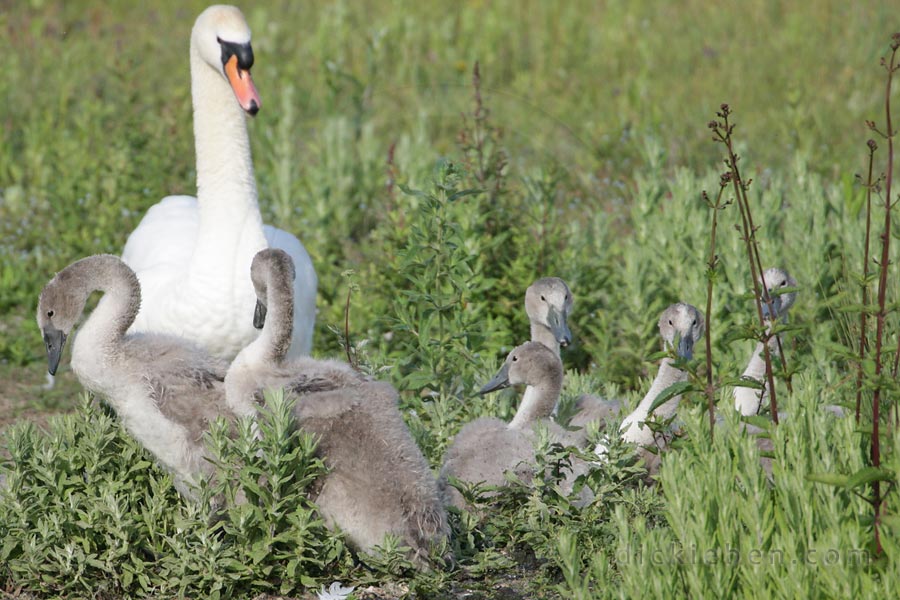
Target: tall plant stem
column 723, row 131
column 767, row 299
column 863, row 315
column 882, row 295
column 711, row 266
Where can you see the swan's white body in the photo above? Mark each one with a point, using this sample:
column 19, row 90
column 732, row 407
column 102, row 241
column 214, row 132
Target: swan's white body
column 192, row 255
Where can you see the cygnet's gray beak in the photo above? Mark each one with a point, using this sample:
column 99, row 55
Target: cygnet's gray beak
column 686, row 347
column 500, row 381
column 54, row 340
column 559, row 327
column 259, row 315
column 776, row 308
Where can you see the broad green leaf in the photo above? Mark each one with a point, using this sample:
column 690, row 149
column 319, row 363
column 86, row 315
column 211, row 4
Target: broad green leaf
column 834, row 479
column 868, row 475
column 411, row 192
column 676, row 389
column 746, row 382
column 463, row 193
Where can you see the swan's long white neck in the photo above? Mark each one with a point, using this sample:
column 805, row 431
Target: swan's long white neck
column 537, row 403
column 631, row 426
column 226, row 186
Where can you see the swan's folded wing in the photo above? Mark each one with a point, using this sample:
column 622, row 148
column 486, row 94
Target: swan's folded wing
column 326, row 405
column 164, row 238
column 593, row 408
column 192, row 397
column 303, row 384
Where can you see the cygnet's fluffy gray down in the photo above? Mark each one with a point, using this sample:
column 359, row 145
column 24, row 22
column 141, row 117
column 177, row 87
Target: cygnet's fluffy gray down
column 165, row 389
column 486, row 449
column 548, row 303
column 378, row 481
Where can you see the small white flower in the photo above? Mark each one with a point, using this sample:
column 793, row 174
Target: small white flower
column 602, row 451
column 335, row 591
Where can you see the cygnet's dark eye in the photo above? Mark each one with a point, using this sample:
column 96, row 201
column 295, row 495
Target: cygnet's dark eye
column 515, row 358
column 543, row 299
column 670, row 321
column 784, row 283
column 50, row 314
column 694, row 322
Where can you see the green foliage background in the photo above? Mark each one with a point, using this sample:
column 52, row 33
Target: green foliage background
column 592, row 158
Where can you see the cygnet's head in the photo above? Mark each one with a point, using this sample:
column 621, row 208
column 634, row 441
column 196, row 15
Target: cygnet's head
column 775, row 280
column 63, row 298
column 531, row 363
column 57, row 311
column 221, row 38
column 548, row 303
column 681, row 326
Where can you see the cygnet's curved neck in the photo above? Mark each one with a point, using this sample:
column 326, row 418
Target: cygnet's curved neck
column 631, row 426
column 537, row 403
column 226, row 186
column 276, row 336
column 270, row 348
column 747, row 400
column 541, row 333
column 119, row 305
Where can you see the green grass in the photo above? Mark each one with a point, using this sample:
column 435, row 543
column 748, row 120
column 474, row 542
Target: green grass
column 599, row 111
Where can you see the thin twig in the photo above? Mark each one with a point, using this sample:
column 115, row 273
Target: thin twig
column 347, row 326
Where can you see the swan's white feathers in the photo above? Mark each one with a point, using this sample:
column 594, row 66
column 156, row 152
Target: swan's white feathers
column 192, row 255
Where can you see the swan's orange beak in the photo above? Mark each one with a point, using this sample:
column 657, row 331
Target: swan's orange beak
column 243, row 87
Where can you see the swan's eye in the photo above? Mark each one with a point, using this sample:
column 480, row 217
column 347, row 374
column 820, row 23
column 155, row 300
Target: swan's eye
column 784, row 283
column 694, row 322
column 515, row 358
column 670, row 321
column 543, row 299
column 50, row 314
column 243, row 52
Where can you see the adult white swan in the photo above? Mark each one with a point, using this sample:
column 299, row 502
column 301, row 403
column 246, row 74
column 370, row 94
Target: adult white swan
column 192, row 255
